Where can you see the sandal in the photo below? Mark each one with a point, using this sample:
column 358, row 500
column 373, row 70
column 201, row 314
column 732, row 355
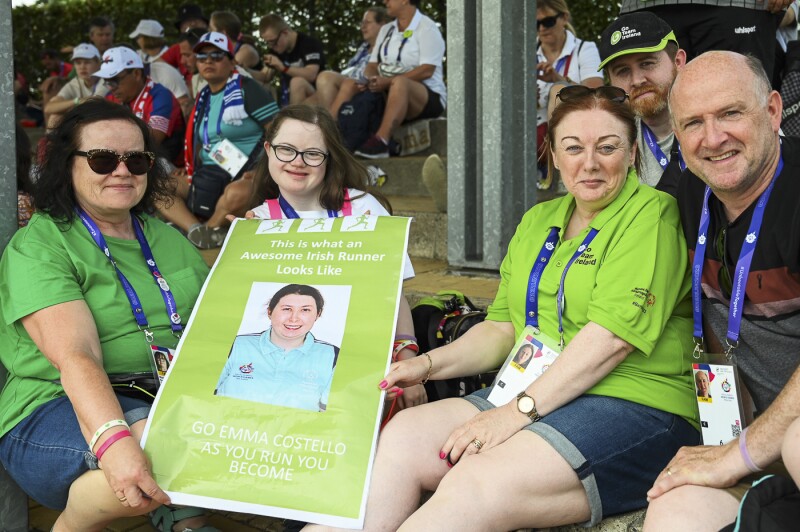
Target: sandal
column 164, row 518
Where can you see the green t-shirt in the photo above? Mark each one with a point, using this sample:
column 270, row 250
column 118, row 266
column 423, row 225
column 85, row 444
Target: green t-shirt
column 633, row 280
column 44, row 266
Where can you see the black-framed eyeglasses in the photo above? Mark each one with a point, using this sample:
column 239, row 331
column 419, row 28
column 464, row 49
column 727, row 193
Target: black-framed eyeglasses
column 272, row 42
column 548, row 22
column 104, row 161
column 216, row 56
column 287, row 154
column 113, row 83
column 607, row 92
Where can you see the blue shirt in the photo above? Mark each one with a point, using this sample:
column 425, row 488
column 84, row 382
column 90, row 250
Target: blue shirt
column 258, row 370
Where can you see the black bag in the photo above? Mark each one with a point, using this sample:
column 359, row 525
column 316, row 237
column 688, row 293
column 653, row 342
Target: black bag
column 361, row 117
column 790, row 91
column 439, row 320
column 208, row 184
column 771, row 505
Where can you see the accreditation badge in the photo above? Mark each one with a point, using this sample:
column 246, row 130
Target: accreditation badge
column 716, row 383
column 160, row 360
column 531, row 356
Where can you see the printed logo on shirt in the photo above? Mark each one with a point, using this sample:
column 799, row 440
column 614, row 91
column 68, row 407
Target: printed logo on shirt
column 246, row 368
column 643, row 299
column 587, row 258
column 742, row 30
column 313, row 57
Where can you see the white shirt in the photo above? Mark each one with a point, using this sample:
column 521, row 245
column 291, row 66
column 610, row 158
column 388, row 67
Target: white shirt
column 582, row 66
column 425, row 46
column 167, row 75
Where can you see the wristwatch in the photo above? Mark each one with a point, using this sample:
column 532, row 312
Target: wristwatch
column 527, row 406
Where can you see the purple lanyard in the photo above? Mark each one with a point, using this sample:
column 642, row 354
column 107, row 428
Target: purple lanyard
column 133, row 298
column 652, row 143
column 740, row 273
column 560, row 65
column 532, row 306
column 289, row 211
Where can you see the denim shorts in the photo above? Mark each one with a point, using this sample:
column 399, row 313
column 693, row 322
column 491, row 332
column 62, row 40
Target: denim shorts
column 46, row 451
column 616, row 447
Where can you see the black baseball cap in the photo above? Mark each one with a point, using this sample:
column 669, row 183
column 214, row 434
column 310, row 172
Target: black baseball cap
column 634, row 33
column 189, row 12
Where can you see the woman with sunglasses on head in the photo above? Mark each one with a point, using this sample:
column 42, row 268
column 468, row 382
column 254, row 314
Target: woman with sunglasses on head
column 223, row 143
column 87, row 291
column 594, row 271
column 562, row 59
column 308, row 173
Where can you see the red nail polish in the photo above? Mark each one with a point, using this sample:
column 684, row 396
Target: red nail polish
column 442, row 455
column 400, row 391
column 383, row 384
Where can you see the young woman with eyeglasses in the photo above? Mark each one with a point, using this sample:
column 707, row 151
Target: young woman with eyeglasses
column 308, row 173
column 600, row 277
column 561, row 58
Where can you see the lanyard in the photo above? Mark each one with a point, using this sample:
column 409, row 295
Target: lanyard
column 532, row 307
column 386, row 41
column 652, row 143
column 289, row 211
column 133, row 298
column 206, row 112
column 740, row 274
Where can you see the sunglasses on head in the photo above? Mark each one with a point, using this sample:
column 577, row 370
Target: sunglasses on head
column 214, row 56
column 106, row 161
column 607, row 92
column 547, row 22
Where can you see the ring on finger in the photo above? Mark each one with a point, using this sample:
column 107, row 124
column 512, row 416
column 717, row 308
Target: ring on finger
column 669, row 472
column 477, row 443
column 123, row 499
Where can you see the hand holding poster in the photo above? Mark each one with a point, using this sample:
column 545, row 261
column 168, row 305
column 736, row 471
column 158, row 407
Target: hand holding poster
column 271, row 405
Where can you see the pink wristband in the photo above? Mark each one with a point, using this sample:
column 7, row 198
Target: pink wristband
column 114, row 438
column 748, row 461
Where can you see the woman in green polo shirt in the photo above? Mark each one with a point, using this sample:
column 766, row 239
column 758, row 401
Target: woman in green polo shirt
column 90, row 292
column 601, row 270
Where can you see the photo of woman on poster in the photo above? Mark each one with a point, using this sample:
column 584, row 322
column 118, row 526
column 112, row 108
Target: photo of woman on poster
column 283, row 365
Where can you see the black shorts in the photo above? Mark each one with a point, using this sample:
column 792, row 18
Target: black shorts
column 433, row 107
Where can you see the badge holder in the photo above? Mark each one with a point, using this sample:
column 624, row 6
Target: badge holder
column 532, row 355
column 230, row 158
column 718, row 390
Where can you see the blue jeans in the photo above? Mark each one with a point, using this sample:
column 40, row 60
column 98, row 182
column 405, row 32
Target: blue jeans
column 616, row 447
column 46, row 452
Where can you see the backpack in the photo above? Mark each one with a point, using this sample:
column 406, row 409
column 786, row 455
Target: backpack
column 360, row 118
column 771, row 505
column 439, row 320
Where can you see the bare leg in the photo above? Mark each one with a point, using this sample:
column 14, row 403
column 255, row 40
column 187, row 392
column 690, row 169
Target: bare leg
column 406, row 100
column 328, row 84
column 681, row 509
column 347, row 90
column 93, row 505
column 408, row 461
column 521, row 483
column 299, row 90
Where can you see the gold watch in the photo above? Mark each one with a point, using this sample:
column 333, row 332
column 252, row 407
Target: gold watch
column 527, row 406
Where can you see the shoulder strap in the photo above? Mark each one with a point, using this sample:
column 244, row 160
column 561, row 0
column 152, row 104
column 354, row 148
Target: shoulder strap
column 347, row 206
column 275, row 212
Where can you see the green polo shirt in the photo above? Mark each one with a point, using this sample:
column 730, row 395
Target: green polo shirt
column 44, row 265
column 633, row 280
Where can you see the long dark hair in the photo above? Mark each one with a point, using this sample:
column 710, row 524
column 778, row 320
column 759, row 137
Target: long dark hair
column 53, row 191
column 342, row 169
column 300, row 290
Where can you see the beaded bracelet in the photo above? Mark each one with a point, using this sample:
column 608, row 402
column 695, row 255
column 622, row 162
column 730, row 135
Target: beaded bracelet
column 104, row 427
column 399, row 345
column 404, row 337
column 114, row 438
column 748, row 460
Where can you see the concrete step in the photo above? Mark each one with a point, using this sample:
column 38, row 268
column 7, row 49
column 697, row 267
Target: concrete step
column 404, row 175
column 428, row 234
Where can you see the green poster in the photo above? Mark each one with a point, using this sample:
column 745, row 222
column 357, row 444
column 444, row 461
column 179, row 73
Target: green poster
column 271, row 404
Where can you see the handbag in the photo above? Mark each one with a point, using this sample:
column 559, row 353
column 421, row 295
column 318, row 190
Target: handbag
column 389, row 70
column 208, row 184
